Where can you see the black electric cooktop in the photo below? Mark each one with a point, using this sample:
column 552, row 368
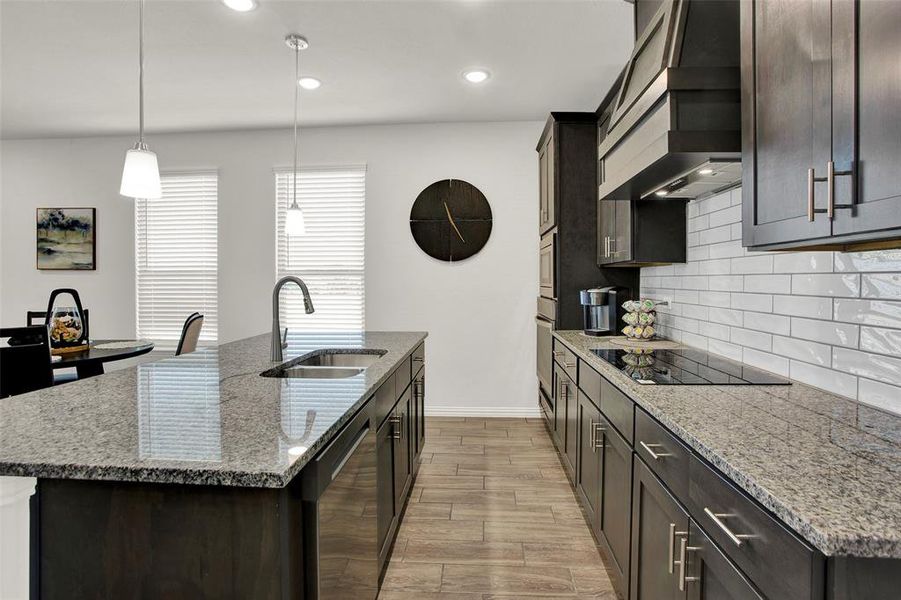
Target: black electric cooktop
column 686, row 367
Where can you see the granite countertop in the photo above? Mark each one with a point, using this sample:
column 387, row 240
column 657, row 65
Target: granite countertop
column 202, row 418
column 829, row 467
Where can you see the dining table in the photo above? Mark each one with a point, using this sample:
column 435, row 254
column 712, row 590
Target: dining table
column 89, row 362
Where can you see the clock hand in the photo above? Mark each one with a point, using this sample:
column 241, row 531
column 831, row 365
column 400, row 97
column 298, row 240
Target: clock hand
column 454, row 225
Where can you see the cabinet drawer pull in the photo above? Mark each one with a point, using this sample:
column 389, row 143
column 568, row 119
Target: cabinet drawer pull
column 598, row 429
column 559, row 353
column 811, row 180
column 567, row 365
column 654, row 455
column 831, row 174
column 737, row 538
column 672, row 545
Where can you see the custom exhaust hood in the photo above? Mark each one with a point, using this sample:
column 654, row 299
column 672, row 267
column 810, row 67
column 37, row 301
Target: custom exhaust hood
column 673, row 128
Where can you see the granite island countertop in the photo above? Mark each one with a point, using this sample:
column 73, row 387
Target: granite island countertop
column 202, row 418
column 828, row 467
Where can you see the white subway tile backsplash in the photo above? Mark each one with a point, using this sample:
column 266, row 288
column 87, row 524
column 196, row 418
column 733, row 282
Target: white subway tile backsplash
column 822, row 284
column 803, row 306
column 823, row 378
column 768, row 284
column 752, row 264
column 880, row 341
column 803, row 262
column 803, row 350
column 881, row 285
column 727, row 216
column 716, row 235
column 827, row 332
column 871, row 366
column 732, row 351
column 726, row 283
column 755, row 302
column 750, row 338
column 880, row 395
column 876, row 261
column 777, row 324
column 828, row 319
column 766, row 361
column 881, row 313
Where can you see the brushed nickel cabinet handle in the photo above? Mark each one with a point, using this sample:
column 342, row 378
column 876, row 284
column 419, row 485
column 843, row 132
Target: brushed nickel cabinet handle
column 654, row 455
column 831, row 174
column 684, row 548
column 673, row 534
column 735, row 538
column 598, row 428
column 559, row 353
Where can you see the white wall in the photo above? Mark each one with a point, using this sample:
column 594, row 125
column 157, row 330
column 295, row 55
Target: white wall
column 479, row 313
column 829, row 319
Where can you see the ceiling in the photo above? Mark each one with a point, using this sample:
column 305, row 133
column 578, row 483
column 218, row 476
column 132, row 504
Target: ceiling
column 69, row 67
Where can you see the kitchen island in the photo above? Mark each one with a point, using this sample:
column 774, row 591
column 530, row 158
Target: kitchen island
column 197, row 477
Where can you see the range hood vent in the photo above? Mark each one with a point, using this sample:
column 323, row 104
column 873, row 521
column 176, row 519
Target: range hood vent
column 678, row 107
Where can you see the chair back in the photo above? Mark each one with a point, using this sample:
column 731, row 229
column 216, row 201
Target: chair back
column 24, row 360
column 190, row 333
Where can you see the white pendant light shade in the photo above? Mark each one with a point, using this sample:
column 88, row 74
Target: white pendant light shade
column 141, row 175
column 294, row 223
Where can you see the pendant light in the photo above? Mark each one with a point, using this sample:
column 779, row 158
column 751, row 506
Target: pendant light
column 294, row 223
column 141, row 173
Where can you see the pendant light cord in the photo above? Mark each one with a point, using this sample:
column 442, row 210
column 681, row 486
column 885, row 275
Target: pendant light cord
column 141, row 144
column 296, row 104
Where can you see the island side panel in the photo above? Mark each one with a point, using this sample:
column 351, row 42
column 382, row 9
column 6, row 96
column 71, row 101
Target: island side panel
column 100, row 539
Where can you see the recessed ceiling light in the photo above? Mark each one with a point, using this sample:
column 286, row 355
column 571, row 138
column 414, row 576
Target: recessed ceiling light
column 705, row 172
column 240, row 5
column 476, row 76
column 309, row 83
column 661, row 193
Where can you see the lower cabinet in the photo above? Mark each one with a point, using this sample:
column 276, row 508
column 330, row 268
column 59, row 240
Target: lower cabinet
column 403, row 475
column 384, row 449
column 588, row 471
column 616, row 503
column 708, row 574
column 418, row 415
column 658, row 525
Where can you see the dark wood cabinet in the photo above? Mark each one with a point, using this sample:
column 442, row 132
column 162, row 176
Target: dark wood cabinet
column 821, row 91
column 708, row 574
column 384, row 449
column 418, row 416
column 558, row 431
column 400, row 422
column 547, row 179
column 590, row 459
column 658, row 523
column 571, row 433
column 616, row 503
column 635, row 233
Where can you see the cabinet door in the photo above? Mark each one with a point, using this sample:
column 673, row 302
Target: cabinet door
column 616, row 502
column 384, row 449
column 658, row 523
column 588, row 473
column 559, row 430
column 547, row 266
column 419, row 398
column 547, row 208
column 544, row 343
column 571, row 438
column 786, row 118
column 708, row 574
column 542, row 189
column 606, row 231
column 874, row 28
column 621, row 246
column 401, row 438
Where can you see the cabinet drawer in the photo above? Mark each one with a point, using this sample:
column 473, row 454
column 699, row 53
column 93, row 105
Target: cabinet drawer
column 566, row 359
column 403, row 376
column 672, row 458
column 590, row 382
column 547, row 259
column 547, row 308
column 418, row 359
column 780, row 564
column 385, row 398
column 618, row 408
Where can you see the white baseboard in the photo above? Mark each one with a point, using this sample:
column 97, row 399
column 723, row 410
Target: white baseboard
column 520, row 412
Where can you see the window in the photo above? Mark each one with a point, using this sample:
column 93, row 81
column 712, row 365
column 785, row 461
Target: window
column 329, row 256
column 176, row 258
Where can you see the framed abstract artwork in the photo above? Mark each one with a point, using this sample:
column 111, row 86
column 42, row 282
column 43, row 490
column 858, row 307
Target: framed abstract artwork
column 66, row 239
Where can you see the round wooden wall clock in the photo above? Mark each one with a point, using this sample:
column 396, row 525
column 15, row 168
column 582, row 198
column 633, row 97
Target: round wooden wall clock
column 451, row 220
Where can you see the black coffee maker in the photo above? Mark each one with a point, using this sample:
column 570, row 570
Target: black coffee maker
column 602, row 309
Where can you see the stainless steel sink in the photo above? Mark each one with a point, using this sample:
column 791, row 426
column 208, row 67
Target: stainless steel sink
column 335, row 359
column 327, row 364
column 319, row 372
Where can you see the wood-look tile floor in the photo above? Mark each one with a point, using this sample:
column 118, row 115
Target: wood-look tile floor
column 493, row 516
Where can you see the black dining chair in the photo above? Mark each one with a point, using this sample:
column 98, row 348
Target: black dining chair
column 190, row 333
column 24, row 360
column 39, row 317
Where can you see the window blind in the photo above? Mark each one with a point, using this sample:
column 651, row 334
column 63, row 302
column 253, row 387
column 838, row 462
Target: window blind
column 329, row 256
column 176, row 256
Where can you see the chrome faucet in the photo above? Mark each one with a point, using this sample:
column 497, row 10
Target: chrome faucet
column 278, row 342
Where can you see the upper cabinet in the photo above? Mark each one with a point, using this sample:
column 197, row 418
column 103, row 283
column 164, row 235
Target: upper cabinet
column 546, row 166
column 821, row 138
